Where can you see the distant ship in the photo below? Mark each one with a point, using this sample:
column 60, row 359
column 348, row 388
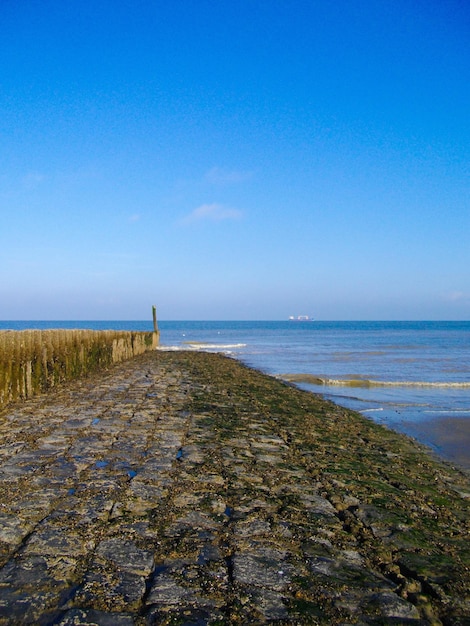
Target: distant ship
column 300, row 318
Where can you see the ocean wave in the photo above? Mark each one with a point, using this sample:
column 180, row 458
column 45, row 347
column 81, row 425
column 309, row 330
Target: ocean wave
column 170, row 348
column 200, row 345
column 311, row 379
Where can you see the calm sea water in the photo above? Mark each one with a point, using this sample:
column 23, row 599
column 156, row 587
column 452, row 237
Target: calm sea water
column 412, row 376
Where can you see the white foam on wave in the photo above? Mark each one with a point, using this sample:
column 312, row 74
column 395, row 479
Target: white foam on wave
column 198, row 345
column 365, row 382
column 394, row 383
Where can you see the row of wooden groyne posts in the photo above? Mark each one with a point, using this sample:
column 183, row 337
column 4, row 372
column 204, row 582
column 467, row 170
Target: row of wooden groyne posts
column 35, row 361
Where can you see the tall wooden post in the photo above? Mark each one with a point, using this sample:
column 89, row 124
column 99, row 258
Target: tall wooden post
column 156, row 332
column 154, row 314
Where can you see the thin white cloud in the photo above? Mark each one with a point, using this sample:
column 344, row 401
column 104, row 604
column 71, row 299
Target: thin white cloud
column 220, row 176
column 456, row 296
column 213, row 212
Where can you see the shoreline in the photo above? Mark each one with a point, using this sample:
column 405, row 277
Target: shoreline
column 188, row 486
column 446, row 436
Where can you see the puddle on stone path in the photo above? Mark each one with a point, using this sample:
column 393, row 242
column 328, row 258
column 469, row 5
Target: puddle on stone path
column 101, row 464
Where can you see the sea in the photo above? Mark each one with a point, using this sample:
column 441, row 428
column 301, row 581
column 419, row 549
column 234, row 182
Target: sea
column 413, row 377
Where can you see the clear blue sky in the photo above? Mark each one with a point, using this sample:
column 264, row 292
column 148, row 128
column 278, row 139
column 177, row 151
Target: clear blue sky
column 242, row 159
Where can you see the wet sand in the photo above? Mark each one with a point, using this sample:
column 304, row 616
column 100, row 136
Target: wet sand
column 185, row 488
column 447, row 436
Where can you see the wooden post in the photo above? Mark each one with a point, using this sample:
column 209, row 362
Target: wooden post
column 154, row 313
column 156, row 332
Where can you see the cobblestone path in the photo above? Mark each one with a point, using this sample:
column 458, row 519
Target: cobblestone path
column 186, row 489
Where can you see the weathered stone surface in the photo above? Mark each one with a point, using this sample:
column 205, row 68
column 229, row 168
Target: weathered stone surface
column 13, row 529
column 168, row 592
column 125, row 555
column 267, row 567
column 183, row 488
column 90, row 617
column 390, row 605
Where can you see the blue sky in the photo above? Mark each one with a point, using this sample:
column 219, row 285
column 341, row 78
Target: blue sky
column 248, row 159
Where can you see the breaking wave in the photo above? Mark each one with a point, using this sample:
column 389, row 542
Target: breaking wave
column 365, row 382
column 200, row 345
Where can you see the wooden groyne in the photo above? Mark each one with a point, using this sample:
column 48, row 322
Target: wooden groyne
column 34, row 361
